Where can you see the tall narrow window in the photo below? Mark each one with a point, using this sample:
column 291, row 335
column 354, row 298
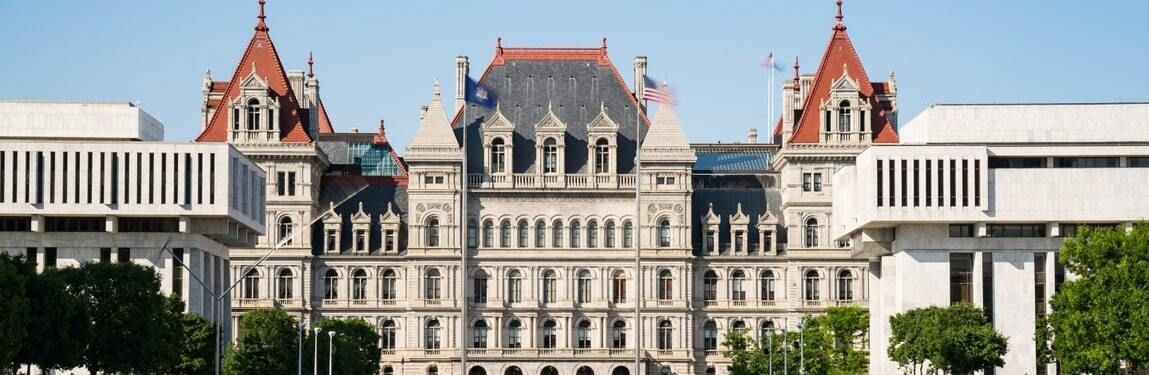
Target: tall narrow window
column 961, row 278
column 710, row 286
column 360, row 240
column 488, row 234
column 253, row 114
column 929, row 192
column 251, row 285
column 738, row 286
column 515, row 334
column 390, row 290
column 710, row 336
column 576, row 230
column 665, row 285
column 767, row 292
column 610, row 234
column 953, row 183
column 540, row 234
column 811, row 232
column 285, row 285
column 664, row 233
column 905, row 173
column 432, row 285
column 627, row 234
column 331, row 284
column 550, row 336
column 505, row 234
column 618, row 287
column 178, row 272
column 811, row 287
column 844, row 117
column 987, row 284
column 550, row 156
column 582, row 335
column 592, row 234
column 286, row 227
column 602, row 156
column 431, row 339
column 977, row 182
column 524, row 234
column 515, row 287
column 917, row 189
column 472, row 234
column 479, row 287
column 557, row 234
column 965, row 183
column 388, row 338
column 498, row 156
column 845, row 285
column 433, row 232
column 359, row 285
column 665, row 335
column 1039, row 299
column 332, row 236
column 618, row 335
column 583, row 294
column 480, row 335
column 550, row 287
column 881, row 184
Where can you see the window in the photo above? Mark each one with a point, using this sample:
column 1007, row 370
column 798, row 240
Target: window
column 431, row 340
column 123, row 255
column 479, row 287
column 480, row 335
column 987, row 284
column 251, row 285
column 881, row 184
column 433, row 180
column 515, row 287
column 584, row 370
column 811, row 290
column 583, row 295
column 286, row 284
column 540, row 234
column 665, row 335
column 359, row 285
column 498, row 156
column 665, row 285
column 389, row 241
column 550, row 287
column 549, row 370
column 285, row 183
column 592, row 234
column 1016, row 230
column 576, row 230
column 582, row 335
column 253, row 114
column 811, row 232
column 602, row 156
column 710, row 336
column 389, row 292
column 738, row 286
column 550, row 156
column 432, row 370
column 388, row 336
column 618, row 287
column 1086, row 162
column 620, row 371
column 505, row 234
column 488, row 234
column 1017, row 163
column 610, row 234
column 477, row 370
column 177, row 270
column 557, row 234
column 664, row 233
column 618, row 335
column 332, row 240
column 738, row 240
column 843, row 116
column 550, row 337
column 1137, row 162
column 961, row 278
column 767, row 292
column 710, row 241
column 1039, row 264
column 961, row 230
column 515, row 334
column 664, row 180
column 331, row 282
column 432, row 288
column 524, row 233
column 710, row 286
column 286, row 227
column 472, row 235
column 845, row 285
column 627, row 234
column 50, row 257
column 360, row 240
column 433, row 232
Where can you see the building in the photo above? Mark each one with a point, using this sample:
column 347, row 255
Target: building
column 980, row 198
column 94, row 182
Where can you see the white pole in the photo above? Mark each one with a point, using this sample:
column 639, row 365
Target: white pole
column 638, row 235
column 463, row 239
column 330, row 351
column 770, row 94
column 315, row 361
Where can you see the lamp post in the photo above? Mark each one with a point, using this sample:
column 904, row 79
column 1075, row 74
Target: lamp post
column 330, row 350
column 770, row 348
column 802, row 349
column 299, row 361
column 785, row 352
column 315, row 361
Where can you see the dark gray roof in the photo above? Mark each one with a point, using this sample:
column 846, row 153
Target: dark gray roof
column 375, row 193
column 754, row 192
column 575, row 89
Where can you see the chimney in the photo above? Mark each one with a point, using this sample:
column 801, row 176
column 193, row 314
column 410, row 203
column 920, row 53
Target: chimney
column 353, row 130
column 752, row 136
column 462, row 67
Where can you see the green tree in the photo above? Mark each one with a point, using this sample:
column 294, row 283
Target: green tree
column 59, row 328
column 749, row 356
column 196, row 345
column 13, row 307
column 956, row 339
column 356, row 347
column 847, row 327
column 267, row 344
column 1101, row 319
column 132, row 325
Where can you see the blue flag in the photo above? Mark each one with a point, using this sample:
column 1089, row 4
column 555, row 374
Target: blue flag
column 481, row 94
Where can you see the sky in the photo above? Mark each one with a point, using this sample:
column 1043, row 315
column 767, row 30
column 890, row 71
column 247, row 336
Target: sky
column 378, row 59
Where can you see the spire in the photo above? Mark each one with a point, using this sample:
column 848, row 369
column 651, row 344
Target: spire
column 434, row 139
column 604, row 46
column 262, row 25
column 665, row 140
column 797, row 78
column 310, row 66
column 498, row 46
column 839, row 25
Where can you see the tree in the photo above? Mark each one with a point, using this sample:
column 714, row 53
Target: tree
column 356, row 347
column 13, row 307
column 197, row 342
column 847, row 327
column 59, row 328
column 267, row 344
column 750, row 357
column 956, row 339
column 1101, row 319
column 133, row 330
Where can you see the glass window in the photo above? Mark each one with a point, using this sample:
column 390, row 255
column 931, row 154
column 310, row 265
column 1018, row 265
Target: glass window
column 253, row 114
column 1093, row 162
column 433, row 232
column 602, row 156
column 592, row 234
column 582, row 335
column 524, row 233
column 515, row 286
column 286, row 284
column 286, row 227
column 388, row 337
column 488, row 234
column 812, row 286
column 961, row 278
column 479, row 287
column 665, row 285
column 550, row 287
column 432, row 290
column 550, row 337
column 576, row 230
column 767, row 292
column 710, row 336
column 251, row 285
column 618, row 335
column 738, row 286
column 331, row 281
column 961, row 230
column 389, row 292
column 844, row 116
column 610, row 234
column 359, row 285
column 515, row 334
column 480, row 335
column 432, row 338
column 557, row 234
column 665, row 335
column 472, row 234
column 550, row 156
column 583, row 295
column 664, row 233
column 710, row 286
column 845, row 285
column 1016, row 230
column 811, row 232
column 618, row 287
column 375, row 160
column 498, row 156
column 505, row 234
column 627, row 234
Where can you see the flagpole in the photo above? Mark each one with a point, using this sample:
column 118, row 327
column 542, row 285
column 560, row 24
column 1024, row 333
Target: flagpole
column 640, row 102
column 770, row 96
column 463, row 238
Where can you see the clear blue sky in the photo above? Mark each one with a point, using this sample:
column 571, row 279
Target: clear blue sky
column 377, row 59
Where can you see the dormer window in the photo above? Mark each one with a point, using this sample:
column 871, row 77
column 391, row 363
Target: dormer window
column 498, row 156
column 844, row 116
column 550, row 156
column 602, row 156
column 253, row 114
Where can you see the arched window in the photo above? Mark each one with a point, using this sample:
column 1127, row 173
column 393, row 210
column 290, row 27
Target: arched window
column 811, row 232
column 286, row 229
column 583, row 295
column 766, row 328
column 514, row 286
column 557, row 234
column 550, row 337
column 251, row 284
column 433, row 232
column 620, row 371
column 618, row 335
column 627, row 234
column 845, row 285
column 618, row 287
column 286, row 283
column 582, row 335
column 710, row 336
column 584, row 371
column 550, row 156
column 388, row 337
column 767, row 286
column 610, row 234
column 665, row 285
column 710, row 286
column 738, row 325
column 480, row 333
column 515, row 334
column 602, row 156
column 524, row 234
column 513, row 371
column 592, row 234
column 331, row 281
column 549, row 370
column 472, row 234
column 665, row 335
column 431, row 338
column 576, row 230
column 738, row 286
column 810, row 288
column 498, row 156
column 253, row 114
column 433, row 290
column 477, row 370
column 550, row 287
column 359, row 285
column 488, row 234
column 710, row 370
column 389, row 291
column 844, row 116
column 664, row 233
column 505, row 234
column 479, row 287
column 433, row 370
column 540, row 234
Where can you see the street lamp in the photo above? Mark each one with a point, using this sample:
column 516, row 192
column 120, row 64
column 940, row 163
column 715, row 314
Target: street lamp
column 770, row 348
column 785, row 352
column 802, row 349
column 299, row 361
column 330, row 350
column 315, row 362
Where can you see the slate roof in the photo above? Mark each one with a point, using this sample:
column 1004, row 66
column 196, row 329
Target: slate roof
column 749, row 190
column 374, row 193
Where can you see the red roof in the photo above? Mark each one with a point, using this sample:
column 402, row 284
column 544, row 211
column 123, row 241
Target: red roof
column 840, row 57
column 261, row 58
column 324, row 121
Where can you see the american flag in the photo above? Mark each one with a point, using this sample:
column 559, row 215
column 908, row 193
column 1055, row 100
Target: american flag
column 657, row 93
column 769, row 63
